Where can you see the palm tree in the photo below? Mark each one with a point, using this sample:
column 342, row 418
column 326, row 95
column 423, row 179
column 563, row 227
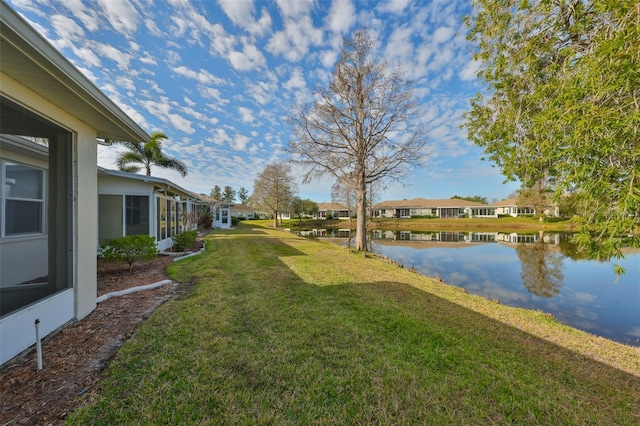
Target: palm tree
column 147, row 153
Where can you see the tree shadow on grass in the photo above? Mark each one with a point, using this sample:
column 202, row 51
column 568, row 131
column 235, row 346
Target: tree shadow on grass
column 372, row 351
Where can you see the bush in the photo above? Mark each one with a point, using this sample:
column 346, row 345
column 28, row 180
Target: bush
column 205, row 220
column 184, row 240
column 234, row 220
column 129, row 249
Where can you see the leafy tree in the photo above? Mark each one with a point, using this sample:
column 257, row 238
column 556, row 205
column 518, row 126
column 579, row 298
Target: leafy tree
column 363, row 128
column 567, row 205
column 475, row 198
column 300, row 207
column 537, row 197
column 228, row 195
column 147, row 154
column 562, row 102
column 216, row 193
column 243, row 194
column 273, row 189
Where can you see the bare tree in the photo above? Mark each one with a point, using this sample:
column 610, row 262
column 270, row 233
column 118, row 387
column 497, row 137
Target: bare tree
column 362, row 129
column 273, row 189
column 344, row 194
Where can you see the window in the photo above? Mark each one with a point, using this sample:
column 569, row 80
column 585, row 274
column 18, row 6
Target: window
column 22, row 199
column 136, row 215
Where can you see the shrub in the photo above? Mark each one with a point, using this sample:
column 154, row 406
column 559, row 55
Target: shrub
column 183, row 240
column 205, row 220
column 129, row 249
column 234, row 220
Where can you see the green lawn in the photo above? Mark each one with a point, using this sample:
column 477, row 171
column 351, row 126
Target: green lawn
column 285, row 330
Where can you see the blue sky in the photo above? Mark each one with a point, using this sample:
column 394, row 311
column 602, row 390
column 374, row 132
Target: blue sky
column 219, row 76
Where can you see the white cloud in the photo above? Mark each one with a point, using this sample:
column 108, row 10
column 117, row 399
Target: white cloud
column 469, row 71
column 443, row 34
column 399, row 49
column 201, row 76
column 262, row 91
column 341, row 17
column 148, row 60
column 87, row 16
column 294, row 41
column 88, row 56
column 122, row 16
column 181, row 123
column 294, row 8
column 250, row 58
column 246, row 115
column 239, row 142
column 67, row 29
column 241, row 14
column 220, row 137
column 122, row 59
column 152, row 26
column 162, row 110
column 328, row 58
column 215, row 94
column 125, row 82
column 296, row 81
column 393, row 6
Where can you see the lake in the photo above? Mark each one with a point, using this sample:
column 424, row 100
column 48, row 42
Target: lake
column 543, row 272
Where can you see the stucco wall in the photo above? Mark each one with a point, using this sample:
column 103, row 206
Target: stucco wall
column 85, row 202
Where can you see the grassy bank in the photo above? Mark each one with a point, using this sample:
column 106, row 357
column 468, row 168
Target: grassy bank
column 285, row 330
column 504, row 224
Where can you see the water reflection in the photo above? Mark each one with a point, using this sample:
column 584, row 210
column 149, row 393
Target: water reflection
column 541, row 268
column 532, row 270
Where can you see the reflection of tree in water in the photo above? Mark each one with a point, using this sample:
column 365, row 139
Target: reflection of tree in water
column 541, row 268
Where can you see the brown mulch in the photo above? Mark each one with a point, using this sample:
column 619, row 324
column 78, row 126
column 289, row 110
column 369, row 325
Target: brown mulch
column 74, row 356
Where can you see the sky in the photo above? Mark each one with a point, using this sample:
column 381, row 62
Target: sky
column 218, row 77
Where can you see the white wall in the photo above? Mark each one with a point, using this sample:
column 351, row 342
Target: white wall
column 84, row 263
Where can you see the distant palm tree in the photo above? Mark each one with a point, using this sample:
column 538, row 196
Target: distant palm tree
column 148, row 154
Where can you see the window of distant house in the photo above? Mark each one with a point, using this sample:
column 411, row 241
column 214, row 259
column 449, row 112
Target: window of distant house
column 22, row 199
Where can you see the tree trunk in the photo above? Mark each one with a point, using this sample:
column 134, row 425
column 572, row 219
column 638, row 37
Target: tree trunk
column 360, row 243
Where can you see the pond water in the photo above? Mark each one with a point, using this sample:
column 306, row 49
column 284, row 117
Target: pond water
column 535, row 271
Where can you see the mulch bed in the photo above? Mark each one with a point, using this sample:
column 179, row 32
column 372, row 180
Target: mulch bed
column 74, row 356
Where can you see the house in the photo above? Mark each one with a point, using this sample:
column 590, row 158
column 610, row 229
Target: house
column 333, row 210
column 220, row 210
column 421, row 207
column 52, row 118
column 242, row 211
column 510, row 207
column 133, row 204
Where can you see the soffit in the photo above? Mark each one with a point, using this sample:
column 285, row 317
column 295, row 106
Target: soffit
column 30, row 60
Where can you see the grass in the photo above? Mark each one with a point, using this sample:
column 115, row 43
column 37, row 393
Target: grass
column 503, row 224
column 286, row 330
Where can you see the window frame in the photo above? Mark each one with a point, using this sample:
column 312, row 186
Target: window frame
column 42, row 201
